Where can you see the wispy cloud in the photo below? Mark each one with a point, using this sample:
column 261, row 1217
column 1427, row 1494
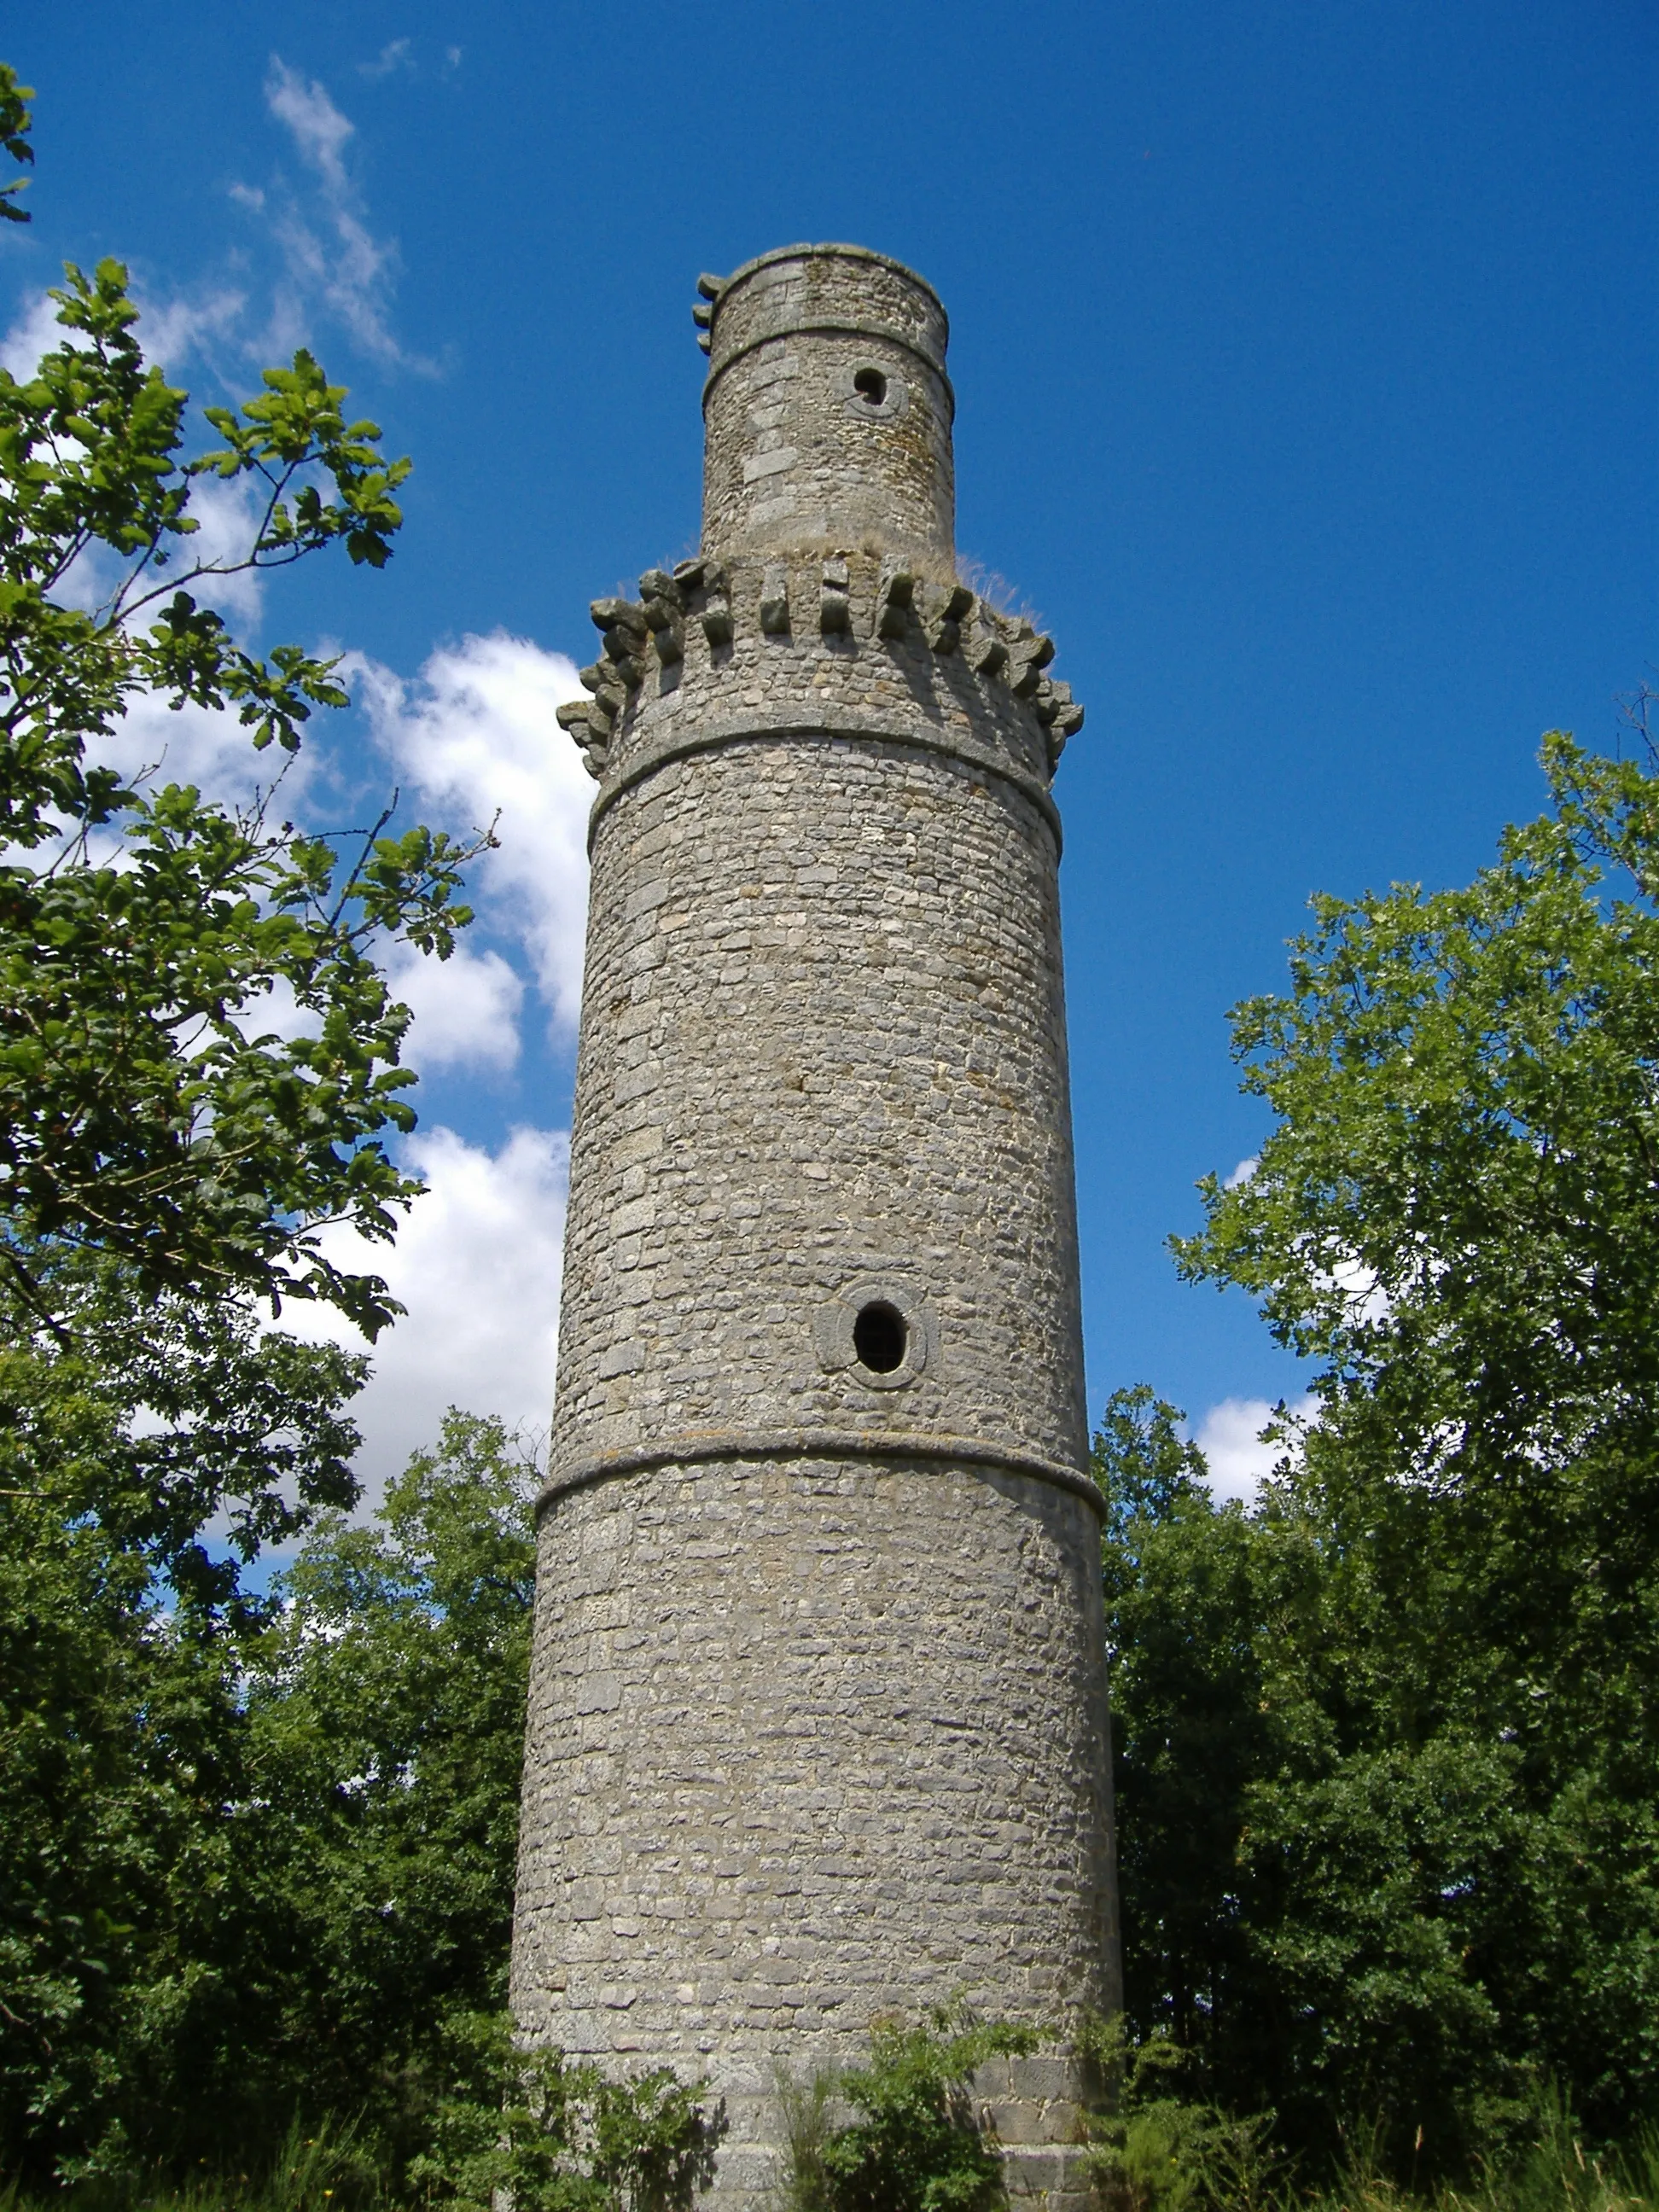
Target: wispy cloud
column 395, row 55
column 475, row 735
column 169, row 330
column 331, row 265
column 334, row 265
column 192, row 323
column 319, row 129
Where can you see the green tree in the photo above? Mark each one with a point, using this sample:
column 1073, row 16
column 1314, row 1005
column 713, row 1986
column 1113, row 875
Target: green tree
column 1425, row 1881
column 146, row 1110
column 386, row 1726
column 259, row 1854
column 169, row 1155
column 1182, row 1603
column 1455, row 1211
column 123, row 1741
column 1457, row 1217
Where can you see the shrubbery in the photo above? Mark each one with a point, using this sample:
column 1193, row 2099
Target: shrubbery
column 542, row 2134
column 901, row 2133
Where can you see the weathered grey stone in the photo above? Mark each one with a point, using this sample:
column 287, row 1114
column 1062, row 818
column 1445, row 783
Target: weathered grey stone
column 1029, row 660
column 944, row 610
column 893, row 596
column 834, row 613
column 610, row 614
column 775, row 600
column 656, row 585
column 988, row 654
column 818, row 1722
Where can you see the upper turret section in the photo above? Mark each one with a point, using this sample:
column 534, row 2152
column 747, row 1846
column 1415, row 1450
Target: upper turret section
column 827, row 411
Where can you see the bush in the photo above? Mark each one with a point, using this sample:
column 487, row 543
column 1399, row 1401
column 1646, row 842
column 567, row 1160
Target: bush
column 917, row 2144
column 1156, row 2148
column 533, row 2129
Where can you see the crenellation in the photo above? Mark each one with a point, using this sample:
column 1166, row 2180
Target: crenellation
column 943, row 607
column 835, row 609
column 619, row 615
column 664, row 604
column 894, row 591
column 775, row 600
column 872, row 617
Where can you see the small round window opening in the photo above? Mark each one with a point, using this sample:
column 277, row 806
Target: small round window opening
column 880, row 1337
column 871, row 386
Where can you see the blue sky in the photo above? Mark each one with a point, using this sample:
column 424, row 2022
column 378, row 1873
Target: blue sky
column 1305, row 359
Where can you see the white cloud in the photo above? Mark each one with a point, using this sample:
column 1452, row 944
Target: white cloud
column 35, row 331
column 332, row 258
column 1242, row 1172
column 318, row 128
column 476, row 734
column 1230, row 1438
column 395, row 55
column 465, row 1008
column 202, row 746
column 477, row 1263
column 471, row 744
column 1362, row 1293
column 227, row 512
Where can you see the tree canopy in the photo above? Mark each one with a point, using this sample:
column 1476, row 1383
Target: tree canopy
column 1390, row 1753
column 199, row 1073
column 152, row 1106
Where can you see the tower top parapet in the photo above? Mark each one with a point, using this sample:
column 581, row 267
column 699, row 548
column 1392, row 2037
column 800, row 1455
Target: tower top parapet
column 827, row 409
column 846, row 288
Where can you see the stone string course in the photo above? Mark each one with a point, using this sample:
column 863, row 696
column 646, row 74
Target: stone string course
column 818, row 1723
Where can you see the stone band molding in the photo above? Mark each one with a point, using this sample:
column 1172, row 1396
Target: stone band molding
column 700, row 1447
column 761, row 729
column 834, row 327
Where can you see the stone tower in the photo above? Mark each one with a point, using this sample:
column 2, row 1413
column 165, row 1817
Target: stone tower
column 817, row 1716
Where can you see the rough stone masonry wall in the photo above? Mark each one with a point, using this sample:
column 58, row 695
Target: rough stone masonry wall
column 814, row 1739
column 823, row 1047
column 817, row 1716
column 794, row 451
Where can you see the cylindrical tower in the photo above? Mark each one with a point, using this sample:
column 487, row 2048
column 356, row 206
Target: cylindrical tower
column 817, row 1718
